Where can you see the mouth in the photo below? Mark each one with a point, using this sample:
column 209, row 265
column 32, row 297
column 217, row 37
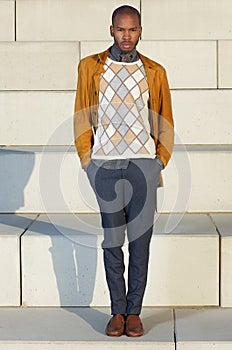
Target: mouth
column 126, row 45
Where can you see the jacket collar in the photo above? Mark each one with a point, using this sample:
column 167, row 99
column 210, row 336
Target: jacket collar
column 102, row 56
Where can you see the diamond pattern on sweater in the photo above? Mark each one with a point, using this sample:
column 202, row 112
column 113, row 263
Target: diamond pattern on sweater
column 123, row 97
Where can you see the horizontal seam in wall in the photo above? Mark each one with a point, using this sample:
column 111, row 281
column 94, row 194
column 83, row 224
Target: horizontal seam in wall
column 73, row 90
column 71, row 148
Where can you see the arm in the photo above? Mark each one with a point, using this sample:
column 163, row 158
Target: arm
column 83, row 132
column 165, row 140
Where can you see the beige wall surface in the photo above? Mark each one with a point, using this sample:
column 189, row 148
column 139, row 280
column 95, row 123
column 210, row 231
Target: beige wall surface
column 7, row 20
column 186, row 19
column 42, row 42
column 65, row 19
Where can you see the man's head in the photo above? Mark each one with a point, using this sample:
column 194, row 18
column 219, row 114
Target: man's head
column 126, row 27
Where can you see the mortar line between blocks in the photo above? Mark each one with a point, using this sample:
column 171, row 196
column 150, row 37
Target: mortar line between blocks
column 220, row 269
column 20, row 259
column 219, row 257
column 217, row 63
column 140, row 10
column 79, row 48
column 174, row 328
column 15, row 34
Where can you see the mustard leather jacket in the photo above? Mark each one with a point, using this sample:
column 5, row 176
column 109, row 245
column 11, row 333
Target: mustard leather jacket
column 86, row 106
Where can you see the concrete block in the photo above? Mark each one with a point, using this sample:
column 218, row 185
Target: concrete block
column 71, row 271
column 79, row 328
column 223, row 224
column 205, row 329
column 184, row 188
column 39, row 114
column 65, row 20
column 197, row 179
column 177, row 58
column 38, row 66
column 91, row 47
column 17, row 168
column 28, row 189
column 202, row 117
column 184, row 262
column 189, row 64
column 7, row 20
column 50, row 179
column 224, row 60
column 11, row 228
column 183, row 271
column 186, row 20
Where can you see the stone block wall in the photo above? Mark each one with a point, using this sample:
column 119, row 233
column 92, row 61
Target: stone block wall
column 41, row 43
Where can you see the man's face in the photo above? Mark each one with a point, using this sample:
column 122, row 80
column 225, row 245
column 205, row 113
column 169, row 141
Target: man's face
column 126, row 31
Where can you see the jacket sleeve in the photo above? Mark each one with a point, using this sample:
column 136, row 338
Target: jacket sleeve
column 83, row 131
column 165, row 141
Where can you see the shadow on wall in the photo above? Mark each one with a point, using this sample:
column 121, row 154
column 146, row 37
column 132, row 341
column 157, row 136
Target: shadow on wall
column 73, row 264
column 16, row 167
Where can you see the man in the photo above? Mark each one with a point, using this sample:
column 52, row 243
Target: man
column 124, row 137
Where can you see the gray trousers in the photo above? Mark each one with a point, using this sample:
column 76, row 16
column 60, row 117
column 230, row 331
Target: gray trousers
column 127, row 202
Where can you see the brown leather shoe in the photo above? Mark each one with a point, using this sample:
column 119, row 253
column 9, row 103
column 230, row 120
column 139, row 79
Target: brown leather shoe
column 115, row 326
column 134, row 326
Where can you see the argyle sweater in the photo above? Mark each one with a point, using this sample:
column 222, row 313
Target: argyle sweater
column 123, row 126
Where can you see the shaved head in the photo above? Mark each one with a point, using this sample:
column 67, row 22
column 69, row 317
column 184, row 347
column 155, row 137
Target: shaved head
column 127, row 10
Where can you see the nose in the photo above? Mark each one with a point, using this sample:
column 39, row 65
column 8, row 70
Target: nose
column 126, row 35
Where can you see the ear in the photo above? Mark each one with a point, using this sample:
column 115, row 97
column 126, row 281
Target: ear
column 141, row 29
column 111, row 30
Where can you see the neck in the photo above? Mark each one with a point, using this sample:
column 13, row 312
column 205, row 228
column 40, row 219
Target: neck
column 121, row 56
